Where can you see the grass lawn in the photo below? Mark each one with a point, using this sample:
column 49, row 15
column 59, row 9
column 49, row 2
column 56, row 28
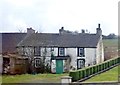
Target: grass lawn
column 110, row 75
column 110, row 48
column 110, row 42
column 29, row 78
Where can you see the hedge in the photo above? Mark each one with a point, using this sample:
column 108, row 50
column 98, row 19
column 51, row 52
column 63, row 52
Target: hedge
column 88, row 71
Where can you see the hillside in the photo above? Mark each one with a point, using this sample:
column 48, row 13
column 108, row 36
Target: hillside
column 110, row 48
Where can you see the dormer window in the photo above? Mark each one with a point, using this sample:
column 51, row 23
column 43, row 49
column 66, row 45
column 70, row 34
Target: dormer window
column 81, row 52
column 61, row 52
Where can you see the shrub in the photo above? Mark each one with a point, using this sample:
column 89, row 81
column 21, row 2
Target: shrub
column 74, row 75
column 82, row 73
column 87, row 72
column 91, row 71
column 100, row 67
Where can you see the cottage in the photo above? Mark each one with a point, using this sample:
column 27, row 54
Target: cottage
column 63, row 51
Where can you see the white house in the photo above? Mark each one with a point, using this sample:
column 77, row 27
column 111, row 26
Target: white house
column 65, row 50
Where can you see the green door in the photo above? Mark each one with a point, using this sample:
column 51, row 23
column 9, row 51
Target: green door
column 59, row 66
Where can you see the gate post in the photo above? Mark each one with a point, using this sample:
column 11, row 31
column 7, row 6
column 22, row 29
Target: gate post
column 66, row 80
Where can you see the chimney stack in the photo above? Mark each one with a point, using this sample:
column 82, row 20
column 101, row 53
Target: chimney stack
column 61, row 31
column 30, row 31
column 83, row 31
column 98, row 30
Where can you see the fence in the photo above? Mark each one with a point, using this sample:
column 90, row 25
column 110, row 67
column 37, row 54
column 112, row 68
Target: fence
column 87, row 72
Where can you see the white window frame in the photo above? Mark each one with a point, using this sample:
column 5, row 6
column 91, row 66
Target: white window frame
column 37, row 62
column 61, row 51
column 81, row 63
column 81, row 50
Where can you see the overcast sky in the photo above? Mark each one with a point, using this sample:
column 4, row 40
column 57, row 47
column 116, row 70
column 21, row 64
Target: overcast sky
column 50, row 15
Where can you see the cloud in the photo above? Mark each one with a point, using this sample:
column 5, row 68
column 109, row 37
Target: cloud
column 50, row 15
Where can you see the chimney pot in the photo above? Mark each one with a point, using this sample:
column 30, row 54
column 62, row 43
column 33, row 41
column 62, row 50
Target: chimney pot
column 98, row 25
column 98, row 30
column 83, row 31
column 62, row 28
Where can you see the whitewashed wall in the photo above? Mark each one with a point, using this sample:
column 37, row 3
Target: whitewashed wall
column 100, row 52
column 55, row 52
column 53, row 66
column 90, row 56
column 72, row 52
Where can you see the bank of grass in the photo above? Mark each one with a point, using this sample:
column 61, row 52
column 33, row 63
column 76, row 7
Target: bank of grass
column 110, row 42
column 110, row 75
column 30, row 78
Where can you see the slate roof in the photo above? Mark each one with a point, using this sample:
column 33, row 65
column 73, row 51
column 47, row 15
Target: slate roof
column 9, row 41
column 61, row 40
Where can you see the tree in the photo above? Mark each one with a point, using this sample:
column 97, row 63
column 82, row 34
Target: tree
column 110, row 36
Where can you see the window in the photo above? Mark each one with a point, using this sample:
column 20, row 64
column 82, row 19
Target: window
column 37, row 51
column 61, row 52
column 81, row 52
column 80, row 63
column 37, row 62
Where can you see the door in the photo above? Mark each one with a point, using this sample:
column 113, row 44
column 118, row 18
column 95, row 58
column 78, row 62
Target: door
column 80, row 63
column 59, row 66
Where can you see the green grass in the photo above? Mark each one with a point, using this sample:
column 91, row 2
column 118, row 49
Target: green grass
column 110, row 48
column 110, row 75
column 110, row 42
column 29, row 78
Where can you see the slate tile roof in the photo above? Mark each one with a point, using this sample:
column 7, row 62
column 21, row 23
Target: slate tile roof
column 9, row 41
column 61, row 40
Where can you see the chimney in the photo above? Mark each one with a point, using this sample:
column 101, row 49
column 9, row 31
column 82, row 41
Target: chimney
column 30, row 31
column 83, row 31
column 61, row 31
column 98, row 30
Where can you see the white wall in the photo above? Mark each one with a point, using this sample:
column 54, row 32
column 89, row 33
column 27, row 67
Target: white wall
column 90, row 56
column 72, row 52
column 100, row 52
column 55, row 52
column 53, row 66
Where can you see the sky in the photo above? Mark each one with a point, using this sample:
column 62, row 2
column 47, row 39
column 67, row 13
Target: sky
column 48, row 16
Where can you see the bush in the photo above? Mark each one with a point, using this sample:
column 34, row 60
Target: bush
column 100, row 67
column 74, row 75
column 87, row 72
column 82, row 73
column 91, row 71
